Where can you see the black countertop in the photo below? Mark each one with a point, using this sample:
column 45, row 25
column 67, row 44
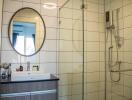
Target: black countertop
column 8, row 80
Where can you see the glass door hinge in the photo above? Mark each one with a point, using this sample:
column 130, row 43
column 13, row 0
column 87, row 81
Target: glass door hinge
column 83, row 6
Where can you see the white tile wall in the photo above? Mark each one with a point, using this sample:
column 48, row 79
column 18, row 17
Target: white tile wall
column 122, row 90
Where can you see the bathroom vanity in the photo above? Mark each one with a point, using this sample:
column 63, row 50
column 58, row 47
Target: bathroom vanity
column 46, row 89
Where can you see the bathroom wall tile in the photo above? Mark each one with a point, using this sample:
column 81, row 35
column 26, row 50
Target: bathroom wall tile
column 68, row 5
column 65, row 56
column 65, row 98
column 127, row 44
column 77, row 67
column 77, row 78
column 102, row 66
column 93, row 77
column 127, row 10
column 117, row 89
column 47, row 57
column 101, row 96
column 66, row 79
column 50, row 45
column 66, row 13
column 93, row 1
column 77, row 35
column 51, row 33
column 6, row 17
column 10, row 56
column 93, row 96
column 92, row 46
column 46, row 1
column 127, row 21
column 49, row 68
column 116, row 4
column 101, row 17
column 50, row 21
column 76, row 24
column 12, row 6
column 102, row 56
column 127, row 92
column 92, row 56
column 92, row 16
column 76, row 89
column 77, row 4
column 77, row 97
column 127, row 2
column 6, row 44
column 92, row 7
column 32, row 1
column 65, row 68
column 127, row 80
column 77, row 46
column 66, row 34
column 91, row 28
column 101, row 8
column 1, row 2
column 65, row 45
column 4, row 30
column 77, row 57
column 65, row 90
column 49, row 12
column 33, row 59
column 32, row 5
column 127, row 56
column 92, row 36
column 92, row 67
column 101, row 2
column 92, row 87
column 101, row 86
column 116, row 97
column 77, row 14
column 101, row 27
column 102, row 38
column 66, row 23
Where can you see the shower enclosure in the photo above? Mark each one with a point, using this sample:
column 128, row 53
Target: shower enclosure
column 71, row 50
column 81, row 50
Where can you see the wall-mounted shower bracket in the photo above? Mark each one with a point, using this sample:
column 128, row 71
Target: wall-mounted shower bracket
column 83, row 6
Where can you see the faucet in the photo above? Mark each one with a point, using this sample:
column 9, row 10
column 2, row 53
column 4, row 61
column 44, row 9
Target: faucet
column 28, row 66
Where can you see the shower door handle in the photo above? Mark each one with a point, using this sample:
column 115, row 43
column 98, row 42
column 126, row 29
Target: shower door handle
column 110, row 51
column 110, row 55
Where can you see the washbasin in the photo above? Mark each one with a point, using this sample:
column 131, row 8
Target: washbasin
column 29, row 75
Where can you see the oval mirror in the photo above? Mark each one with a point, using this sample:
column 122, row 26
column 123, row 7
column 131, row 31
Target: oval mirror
column 27, row 31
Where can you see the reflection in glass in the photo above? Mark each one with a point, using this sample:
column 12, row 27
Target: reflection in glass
column 24, row 35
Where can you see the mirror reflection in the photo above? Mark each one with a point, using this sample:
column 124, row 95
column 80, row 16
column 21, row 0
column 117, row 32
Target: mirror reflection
column 27, row 31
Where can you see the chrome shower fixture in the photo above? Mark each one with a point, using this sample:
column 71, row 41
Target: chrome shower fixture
column 112, row 26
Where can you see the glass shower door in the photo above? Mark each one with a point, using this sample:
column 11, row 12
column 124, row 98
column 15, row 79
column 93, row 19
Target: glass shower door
column 70, row 50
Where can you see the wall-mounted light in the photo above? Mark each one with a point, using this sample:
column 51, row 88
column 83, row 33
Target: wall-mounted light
column 50, row 5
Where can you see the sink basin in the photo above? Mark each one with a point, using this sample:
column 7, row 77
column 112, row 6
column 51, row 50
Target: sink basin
column 29, row 75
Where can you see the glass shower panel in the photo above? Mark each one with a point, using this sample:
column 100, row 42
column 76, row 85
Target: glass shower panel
column 94, row 50
column 70, row 50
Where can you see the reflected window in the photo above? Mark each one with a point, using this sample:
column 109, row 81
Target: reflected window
column 17, row 45
column 24, row 37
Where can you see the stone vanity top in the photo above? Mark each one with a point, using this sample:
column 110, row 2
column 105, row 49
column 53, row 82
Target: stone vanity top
column 8, row 80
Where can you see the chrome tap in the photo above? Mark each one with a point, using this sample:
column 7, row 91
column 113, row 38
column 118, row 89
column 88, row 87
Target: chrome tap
column 28, row 66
